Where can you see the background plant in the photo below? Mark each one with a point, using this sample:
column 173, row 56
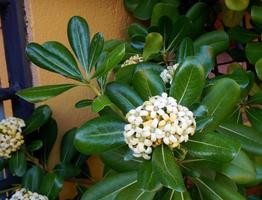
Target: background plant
column 224, row 156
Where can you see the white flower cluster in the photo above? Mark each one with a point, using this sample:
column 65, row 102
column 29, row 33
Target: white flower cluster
column 24, row 194
column 168, row 73
column 133, row 60
column 159, row 120
column 10, row 136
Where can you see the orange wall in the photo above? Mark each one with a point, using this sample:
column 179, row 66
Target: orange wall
column 48, row 21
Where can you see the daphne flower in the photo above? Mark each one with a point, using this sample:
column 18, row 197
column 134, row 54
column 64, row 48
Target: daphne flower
column 10, row 136
column 168, row 73
column 133, row 60
column 159, row 120
column 24, row 194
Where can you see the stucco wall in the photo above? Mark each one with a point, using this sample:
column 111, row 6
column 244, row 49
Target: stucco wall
column 48, row 21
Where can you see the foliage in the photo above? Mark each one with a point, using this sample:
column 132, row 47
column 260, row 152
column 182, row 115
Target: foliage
column 224, row 155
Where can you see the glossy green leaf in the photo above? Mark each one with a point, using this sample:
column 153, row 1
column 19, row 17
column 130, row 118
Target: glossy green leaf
column 66, row 170
column 99, row 135
column 148, row 83
column 43, row 93
column 220, row 100
column 237, row 5
column 253, row 52
column 188, row 82
column 68, row 151
column 216, row 191
column 54, row 57
column 164, row 9
column 51, row 185
column 250, row 139
column 258, row 67
column 205, row 55
column 256, row 98
column 134, row 192
column 136, row 29
column 35, row 145
column 78, row 36
column 17, row 163
column 174, row 195
column 153, row 44
column 110, row 186
column 111, row 60
column 131, row 4
column 143, row 10
column 83, row 103
column 218, row 40
column 48, row 134
column 255, row 117
column 100, row 103
column 186, row 48
column 32, row 179
column 96, row 47
column 256, row 14
column 116, row 160
column 213, row 146
column 38, row 118
column 242, row 35
column 166, row 168
column 123, row 96
column 241, row 169
column 225, row 180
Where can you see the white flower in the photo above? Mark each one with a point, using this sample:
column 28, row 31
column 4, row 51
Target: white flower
column 159, row 120
column 168, row 73
column 24, row 194
column 10, row 136
column 133, row 60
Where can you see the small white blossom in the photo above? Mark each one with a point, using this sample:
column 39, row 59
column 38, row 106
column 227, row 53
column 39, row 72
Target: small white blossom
column 168, row 73
column 159, row 120
column 24, row 194
column 133, row 60
column 10, row 136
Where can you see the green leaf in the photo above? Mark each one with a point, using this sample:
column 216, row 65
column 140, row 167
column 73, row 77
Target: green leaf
column 83, row 103
column 43, row 93
column 48, row 134
column 131, row 4
column 205, row 55
column 258, row 67
column 164, row 9
column 100, row 103
column 54, row 57
column 96, row 47
column 186, row 48
column 213, row 146
column 231, row 18
column 237, row 5
column 216, row 191
column 255, row 117
column 78, row 36
column 256, row 99
column 111, row 60
column 32, row 179
column 68, row 151
column 188, row 82
column 241, row 169
column 51, row 185
column 241, row 35
column 256, row 14
column 116, row 160
column 166, row 168
column 17, row 163
column 218, row 40
column 38, row 118
column 66, row 170
column 123, row 96
column 110, row 186
column 134, row 192
column 35, row 145
column 136, row 29
column 253, row 52
column 220, row 100
column 174, row 195
column 148, row 83
column 143, row 10
column 153, row 44
column 99, row 135
column 147, row 179
column 250, row 139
